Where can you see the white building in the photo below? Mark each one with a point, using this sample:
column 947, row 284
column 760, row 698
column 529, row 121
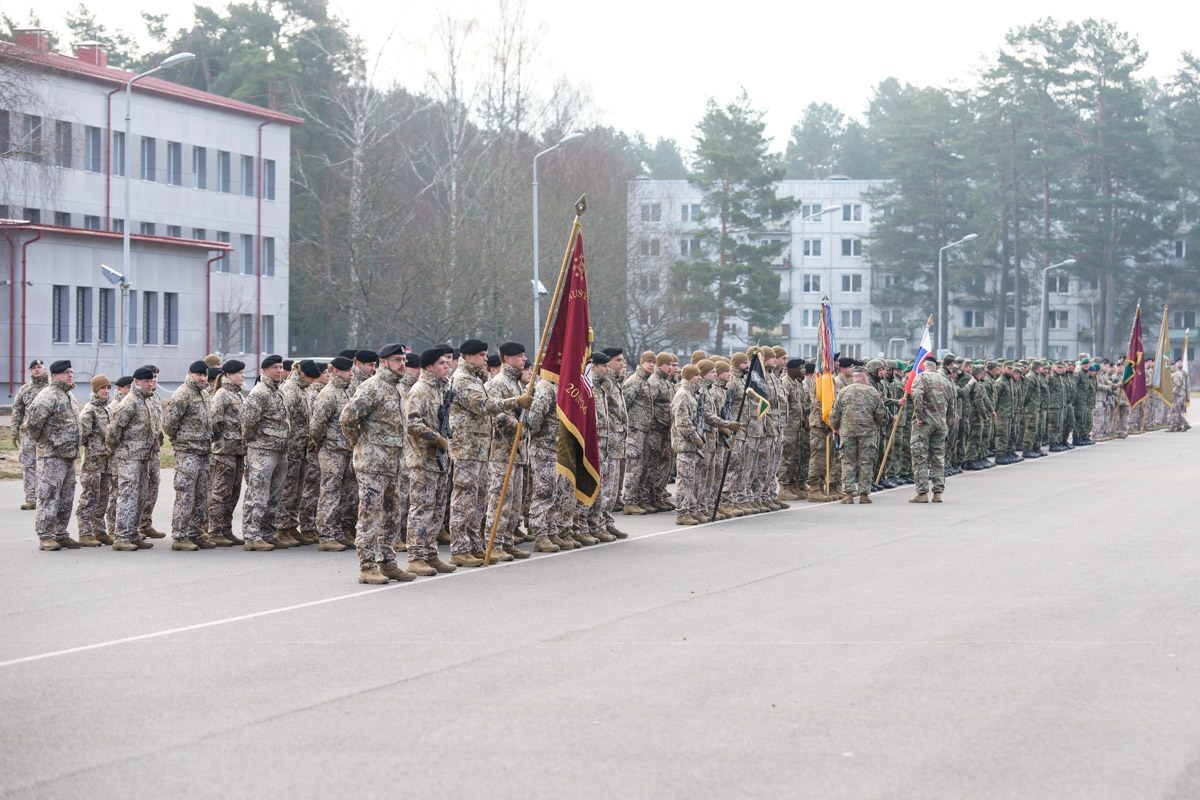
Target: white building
column 209, row 200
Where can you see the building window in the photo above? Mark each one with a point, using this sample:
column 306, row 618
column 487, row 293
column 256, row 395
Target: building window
column 812, row 318
column 83, row 314
column 1183, row 319
column 248, row 176
column 1008, row 319
column 852, row 212
column 246, row 254
column 171, row 318
column 812, row 247
column 118, row 225
column 689, row 212
column 268, row 334
column 892, row 316
column 1180, row 248
column 973, row 319
column 689, row 247
column 1058, row 284
column 91, row 223
column 62, row 218
column 199, row 168
column 223, row 170
column 33, row 215
column 852, row 247
column 812, row 283
column 268, row 256
column 810, row 212
column 810, row 351
column 60, row 314
column 852, row 283
column 175, row 231
column 147, row 229
column 5, row 137
column 1058, row 320
column 175, row 163
column 148, row 154
column 118, row 154
column 149, row 317
column 851, row 319
column 199, row 233
column 223, row 263
column 852, row 350
column 222, row 326
column 31, row 143
column 106, row 330
column 247, row 333
column 649, row 247
column 651, row 212
column 268, row 179
column 62, row 144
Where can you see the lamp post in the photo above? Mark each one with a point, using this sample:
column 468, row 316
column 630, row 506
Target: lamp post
column 1045, row 331
column 538, row 289
column 941, row 288
column 168, row 63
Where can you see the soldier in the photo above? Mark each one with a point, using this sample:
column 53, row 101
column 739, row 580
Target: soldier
column 611, row 395
column 1178, row 422
column 1005, row 403
column 505, row 385
column 1086, row 388
column 1031, row 409
column 52, row 420
column 687, row 442
column 982, row 413
column 333, row 455
column 544, row 512
column 153, row 467
column 265, row 430
column 365, row 364
column 1056, row 403
column 186, row 420
column 294, row 391
column 38, row 380
column 427, row 459
column 227, row 463
column 792, row 484
column 135, row 427
column 857, row 416
column 310, row 492
column 95, row 479
column 933, row 415
column 373, row 421
column 635, row 491
column 122, row 385
column 661, row 386
column 412, row 370
column 493, row 365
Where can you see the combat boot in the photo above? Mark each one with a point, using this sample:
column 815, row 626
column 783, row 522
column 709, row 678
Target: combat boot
column 441, row 566
column 921, row 498
column 204, row 543
column 666, row 505
column 730, row 511
column 583, row 539
column 937, row 497
column 28, row 506
column 517, row 552
column 393, row 572
column 864, row 498
column 123, row 547
column 816, row 496
column 104, row 538
column 233, row 538
column 421, row 569
column 142, row 544
column 563, row 542
column 348, row 536
column 373, row 576
column 633, row 509
column 90, row 541
column 258, row 545
column 51, row 544
column 331, row 546
column 686, row 520
column 617, row 534
column 286, row 539
column 603, row 536
column 444, row 537
column 498, row 556
column 186, row 545
column 151, row 533
column 786, row 492
column 311, row 537
column 466, row 560
column 68, row 542
column 847, row 500
column 782, row 506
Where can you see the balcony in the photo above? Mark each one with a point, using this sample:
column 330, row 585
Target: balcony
column 974, row 334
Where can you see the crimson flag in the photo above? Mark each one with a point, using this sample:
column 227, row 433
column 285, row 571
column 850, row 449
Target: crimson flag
column 1133, row 382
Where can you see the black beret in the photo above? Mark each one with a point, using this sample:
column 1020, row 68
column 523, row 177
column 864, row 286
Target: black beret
column 342, row 362
column 809, row 367
column 271, row 361
column 366, row 357
column 454, row 351
column 348, row 354
column 512, row 349
column 845, row 361
column 391, row 350
column 446, row 348
column 233, row 365
column 430, row 356
column 413, row 360
column 213, row 372
column 124, row 380
column 310, row 368
column 472, row 346
column 60, row 366
column 198, row 368
column 929, row 357
column 795, row 363
column 37, row 362
column 612, row 352
column 140, row 374
column 493, row 360
column 601, row 358
column 288, row 363
column 528, row 364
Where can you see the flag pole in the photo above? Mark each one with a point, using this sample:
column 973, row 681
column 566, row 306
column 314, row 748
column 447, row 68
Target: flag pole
column 580, row 207
column 896, row 423
column 732, row 440
column 828, row 437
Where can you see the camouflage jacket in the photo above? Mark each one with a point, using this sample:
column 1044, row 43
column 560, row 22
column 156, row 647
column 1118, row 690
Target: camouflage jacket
column 136, row 425
column 542, row 418
column 421, row 414
column 1056, row 395
column 662, row 392
column 52, row 420
column 933, row 401
column 408, row 381
column 471, row 414
column 858, row 411
column 776, row 418
column 609, row 392
column 505, row 385
column 187, row 420
column 358, row 376
column 265, row 417
column 1086, row 387
column 225, row 415
column 685, row 437
column 1005, row 396
column 639, row 405
column 24, row 397
column 794, row 389
column 374, row 422
column 324, row 427
column 93, row 425
column 295, row 399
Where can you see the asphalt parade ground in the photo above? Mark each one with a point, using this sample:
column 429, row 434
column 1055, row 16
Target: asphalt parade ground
column 1035, row 636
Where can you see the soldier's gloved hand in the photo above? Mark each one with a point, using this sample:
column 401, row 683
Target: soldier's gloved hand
column 442, row 444
column 733, row 427
column 16, row 442
column 525, row 401
column 698, row 441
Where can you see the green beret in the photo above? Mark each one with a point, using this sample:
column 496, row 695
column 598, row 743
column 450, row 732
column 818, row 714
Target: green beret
column 991, row 365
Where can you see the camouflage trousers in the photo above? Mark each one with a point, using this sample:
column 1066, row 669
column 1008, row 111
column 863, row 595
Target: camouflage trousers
column 1054, row 425
column 426, row 488
column 468, row 506
column 543, row 513
column 1003, row 431
column 858, row 463
column 929, row 458
column 150, row 495
column 637, row 467
column 55, row 496
column 750, row 467
column 731, row 494
column 131, row 476
column 193, row 479
column 338, row 483
column 571, row 517
column 599, row 516
column 287, row 516
column 793, row 468
column 401, row 509
column 976, row 447
column 266, row 471
column 1083, row 422
column 225, row 484
column 817, row 462
column 29, row 465
column 769, row 455
column 658, row 447
column 1121, row 425
column 377, row 526
column 95, row 487
column 1032, row 439
column 510, row 515
column 688, row 469
column 311, row 493
column 710, row 471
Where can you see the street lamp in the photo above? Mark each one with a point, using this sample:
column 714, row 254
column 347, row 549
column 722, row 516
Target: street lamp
column 941, row 288
column 168, row 63
column 538, row 288
column 1045, row 332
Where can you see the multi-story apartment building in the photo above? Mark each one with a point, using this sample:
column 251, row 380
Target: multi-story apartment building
column 208, row 221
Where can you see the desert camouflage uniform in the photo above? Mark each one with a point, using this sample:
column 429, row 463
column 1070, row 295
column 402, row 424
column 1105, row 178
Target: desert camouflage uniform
column 52, row 420
column 186, row 420
column 857, row 416
column 265, row 429
column 733, row 493
column 95, row 476
column 640, row 409
column 28, row 447
column 134, row 429
column 506, row 385
column 658, row 443
column 153, row 467
column 766, row 488
column 612, row 461
column 338, row 484
column 793, row 470
column 542, row 422
column 294, row 391
column 310, row 493
column 933, row 412
column 228, row 458
column 687, row 442
column 426, row 471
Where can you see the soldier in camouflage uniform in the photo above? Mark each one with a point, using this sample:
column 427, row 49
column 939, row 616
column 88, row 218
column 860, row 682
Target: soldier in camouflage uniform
column 506, row 385
column 1034, row 411
column 265, row 429
column 294, row 391
column 310, row 493
column 135, row 426
column 121, row 388
column 427, row 459
column 687, row 442
column 38, row 380
column 186, row 420
column 228, row 461
column 609, row 393
column 366, row 362
column 1005, row 403
column 333, row 455
column 1086, row 388
column 1055, row 406
column 933, row 415
column 153, row 468
column 979, row 406
column 792, row 483
column 95, row 479
column 52, row 420
column 858, row 415
column 544, row 512
column 635, row 491
column 661, row 386
column 373, row 420
column 777, row 419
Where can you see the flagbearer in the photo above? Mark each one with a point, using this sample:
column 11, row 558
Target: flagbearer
column 858, row 415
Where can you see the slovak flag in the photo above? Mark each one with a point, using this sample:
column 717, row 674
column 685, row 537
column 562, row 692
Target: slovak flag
column 919, row 367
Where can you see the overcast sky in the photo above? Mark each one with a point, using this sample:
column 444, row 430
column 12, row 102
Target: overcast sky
column 651, row 66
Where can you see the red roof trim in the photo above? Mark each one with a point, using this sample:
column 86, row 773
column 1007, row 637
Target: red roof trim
column 118, row 77
column 199, row 244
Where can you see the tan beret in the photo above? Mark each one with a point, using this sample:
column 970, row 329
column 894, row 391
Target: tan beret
column 99, row 382
column 663, row 358
column 706, row 366
column 739, row 359
column 780, row 352
column 649, row 355
column 690, row 371
column 697, row 355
